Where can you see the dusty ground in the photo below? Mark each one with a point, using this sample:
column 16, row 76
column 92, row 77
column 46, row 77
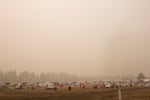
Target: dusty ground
column 76, row 94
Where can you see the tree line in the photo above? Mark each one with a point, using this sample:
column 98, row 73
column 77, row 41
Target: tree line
column 26, row 76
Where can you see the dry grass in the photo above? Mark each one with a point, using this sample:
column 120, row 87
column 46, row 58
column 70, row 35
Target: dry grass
column 76, row 94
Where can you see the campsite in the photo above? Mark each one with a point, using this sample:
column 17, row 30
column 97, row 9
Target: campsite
column 74, row 49
column 100, row 90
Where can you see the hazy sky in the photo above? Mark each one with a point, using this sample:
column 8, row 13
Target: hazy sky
column 83, row 37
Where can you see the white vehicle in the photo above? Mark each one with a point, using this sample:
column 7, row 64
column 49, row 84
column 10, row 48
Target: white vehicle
column 19, row 86
column 12, row 86
column 42, row 84
column 51, row 86
column 108, row 85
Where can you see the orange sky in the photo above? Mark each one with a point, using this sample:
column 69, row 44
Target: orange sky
column 83, row 37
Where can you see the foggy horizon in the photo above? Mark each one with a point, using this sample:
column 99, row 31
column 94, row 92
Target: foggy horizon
column 81, row 37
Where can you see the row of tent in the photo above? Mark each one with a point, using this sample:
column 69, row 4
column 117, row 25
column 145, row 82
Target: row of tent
column 83, row 84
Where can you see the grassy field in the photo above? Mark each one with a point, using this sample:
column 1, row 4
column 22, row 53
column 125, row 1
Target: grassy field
column 76, row 94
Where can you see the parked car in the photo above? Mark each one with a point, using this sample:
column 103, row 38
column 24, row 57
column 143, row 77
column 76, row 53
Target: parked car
column 51, row 86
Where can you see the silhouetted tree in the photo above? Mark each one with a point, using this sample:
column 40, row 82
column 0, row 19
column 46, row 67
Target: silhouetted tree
column 2, row 76
column 141, row 76
column 32, row 77
column 12, row 75
column 24, row 76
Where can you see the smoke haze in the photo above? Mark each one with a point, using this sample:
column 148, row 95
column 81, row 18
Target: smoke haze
column 82, row 37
